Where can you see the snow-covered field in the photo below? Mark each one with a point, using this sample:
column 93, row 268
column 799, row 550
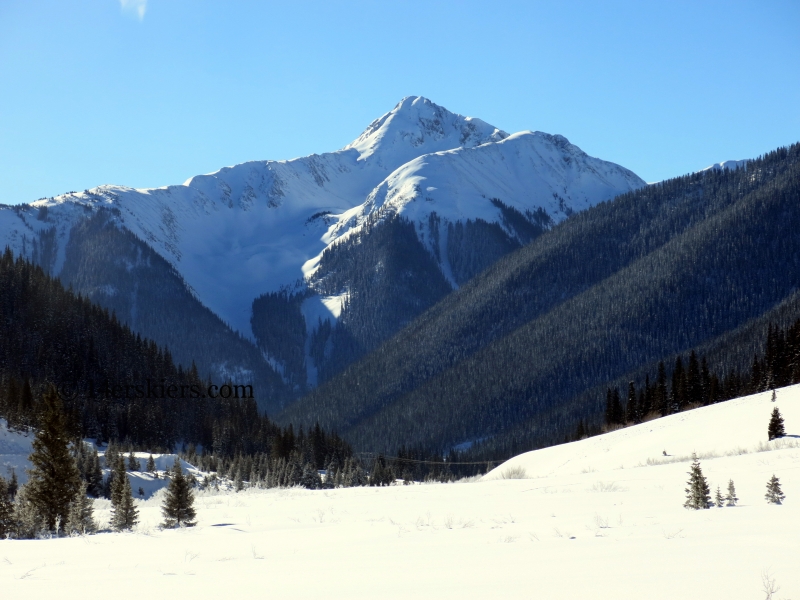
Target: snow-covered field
column 599, row 518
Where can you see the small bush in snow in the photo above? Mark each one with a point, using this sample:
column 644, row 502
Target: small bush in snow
column 514, row 473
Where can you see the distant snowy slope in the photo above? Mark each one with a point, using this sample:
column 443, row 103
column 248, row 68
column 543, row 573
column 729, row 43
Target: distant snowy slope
column 726, row 164
column 729, row 428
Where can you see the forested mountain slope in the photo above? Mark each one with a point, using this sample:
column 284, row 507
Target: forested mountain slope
column 623, row 284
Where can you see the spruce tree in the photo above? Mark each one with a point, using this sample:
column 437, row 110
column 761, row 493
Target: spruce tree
column 178, row 509
column 774, row 493
column 133, row 463
column 775, row 428
column 125, row 514
column 54, row 480
column 28, row 520
column 730, row 497
column 311, row 479
column 118, row 479
column 151, row 464
column 662, row 397
column 697, row 494
column 13, row 485
column 94, row 477
column 6, row 511
column 80, row 519
column 718, row 499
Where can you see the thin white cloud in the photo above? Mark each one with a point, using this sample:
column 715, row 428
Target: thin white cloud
column 135, row 7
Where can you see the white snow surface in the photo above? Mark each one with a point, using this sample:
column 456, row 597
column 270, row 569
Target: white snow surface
column 261, row 226
column 726, row 164
column 599, row 518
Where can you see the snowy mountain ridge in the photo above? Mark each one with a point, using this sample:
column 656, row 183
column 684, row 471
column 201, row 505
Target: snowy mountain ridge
column 261, row 226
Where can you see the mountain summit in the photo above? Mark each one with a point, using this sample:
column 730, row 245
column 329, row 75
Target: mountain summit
column 418, row 126
column 457, row 191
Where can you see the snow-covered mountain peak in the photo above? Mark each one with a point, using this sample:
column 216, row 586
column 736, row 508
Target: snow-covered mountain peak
column 418, row 126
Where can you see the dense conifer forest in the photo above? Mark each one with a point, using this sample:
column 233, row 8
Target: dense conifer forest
column 522, row 353
column 50, row 336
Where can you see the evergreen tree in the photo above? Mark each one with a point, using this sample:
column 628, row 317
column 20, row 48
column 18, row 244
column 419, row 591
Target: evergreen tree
column 662, row 397
column 178, row 504
column 80, row 519
column 774, row 493
column 697, row 494
column 647, row 398
column 6, row 511
column 632, row 409
column 54, row 480
column 25, row 414
column 238, row 484
column 730, row 497
column 718, row 499
column 94, row 476
column 29, row 522
column 151, row 464
column 118, row 479
column 694, row 387
column 616, row 407
column 775, row 428
column 330, row 476
column 125, row 514
column 311, row 479
column 13, row 485
column 133, row 463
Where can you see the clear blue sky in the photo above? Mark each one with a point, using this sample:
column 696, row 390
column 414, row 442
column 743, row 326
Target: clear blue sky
column 156, row 91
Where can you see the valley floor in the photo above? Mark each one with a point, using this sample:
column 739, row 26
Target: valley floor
column 599, row 518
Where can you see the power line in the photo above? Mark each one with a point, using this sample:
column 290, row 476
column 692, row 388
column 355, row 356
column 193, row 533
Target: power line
column 428, row 462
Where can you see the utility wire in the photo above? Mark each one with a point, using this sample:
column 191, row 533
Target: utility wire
column 427, row 462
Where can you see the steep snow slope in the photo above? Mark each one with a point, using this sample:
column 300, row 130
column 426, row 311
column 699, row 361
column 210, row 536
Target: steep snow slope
column 526, row 171
column 581, row 525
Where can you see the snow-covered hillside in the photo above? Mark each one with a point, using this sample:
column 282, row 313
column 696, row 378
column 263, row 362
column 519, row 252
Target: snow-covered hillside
column 250, row 229
column 599, row 518
column 726, row 164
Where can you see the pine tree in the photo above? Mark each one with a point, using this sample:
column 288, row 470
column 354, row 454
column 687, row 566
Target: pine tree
column 662, row 397
column 28, row 520
column 774, row 493
column 6, row 511
column 54, row 480
column 133, row 463
column 775, row 428
column 94, row 477
column 311, row 479
column 151, row 464
column 125, row 514
column 697, row 494
column 13, row 485
column 718, row 499
column 118, row 479
column 730, row 498
column 178, row 504
column 80, row 519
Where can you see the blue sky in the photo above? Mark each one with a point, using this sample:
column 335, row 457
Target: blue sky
column 150, row 92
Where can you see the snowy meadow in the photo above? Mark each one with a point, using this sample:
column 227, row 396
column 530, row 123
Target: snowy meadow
column 598, row 518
